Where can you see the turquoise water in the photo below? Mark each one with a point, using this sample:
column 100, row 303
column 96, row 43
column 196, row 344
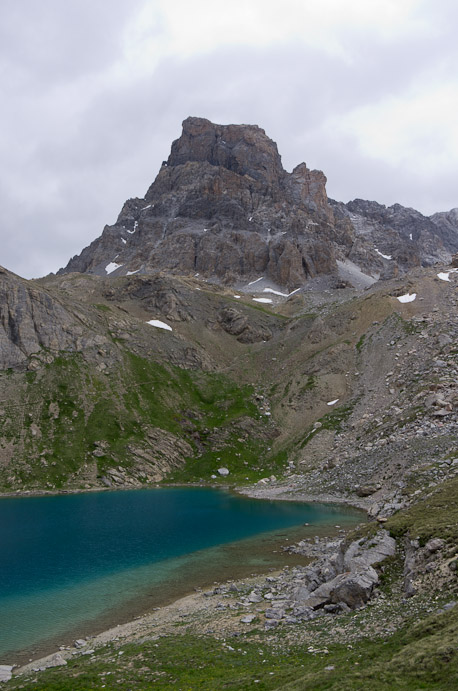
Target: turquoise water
column 69, row 560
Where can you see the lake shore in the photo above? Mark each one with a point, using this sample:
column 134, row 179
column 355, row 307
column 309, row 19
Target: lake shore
column 274, row 492
column 137, row 620
column 287, row 492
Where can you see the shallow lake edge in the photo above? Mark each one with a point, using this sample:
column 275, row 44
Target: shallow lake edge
column 133, row 626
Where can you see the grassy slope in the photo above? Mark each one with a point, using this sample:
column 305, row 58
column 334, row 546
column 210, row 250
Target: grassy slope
column 74, row 407
column 422, row 655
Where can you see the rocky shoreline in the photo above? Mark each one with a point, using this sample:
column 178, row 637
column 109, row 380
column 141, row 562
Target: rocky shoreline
column 194, row 603
column 343, row 576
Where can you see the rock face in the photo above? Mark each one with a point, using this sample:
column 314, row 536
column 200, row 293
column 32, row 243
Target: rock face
column 223, row 206
column 345, row 579
column 32, row 320
column 394, row 239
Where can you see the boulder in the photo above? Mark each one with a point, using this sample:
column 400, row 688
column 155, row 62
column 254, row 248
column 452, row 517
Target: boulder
column 434, row 545
column 56, row 660
column 247, row 619
column 364, row 553
column 6, row 672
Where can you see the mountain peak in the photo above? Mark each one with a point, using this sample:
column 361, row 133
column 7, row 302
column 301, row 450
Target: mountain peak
column 242, row 149
column 223, row 207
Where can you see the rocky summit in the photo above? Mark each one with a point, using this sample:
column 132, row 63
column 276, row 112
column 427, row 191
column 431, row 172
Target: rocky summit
column 223, row 207
column 237, row 327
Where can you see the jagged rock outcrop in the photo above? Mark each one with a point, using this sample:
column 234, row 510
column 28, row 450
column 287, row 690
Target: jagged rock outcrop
column 32, row 320
column 348, row 576
column 237, row 324
column 394, row 239
column 223, row 206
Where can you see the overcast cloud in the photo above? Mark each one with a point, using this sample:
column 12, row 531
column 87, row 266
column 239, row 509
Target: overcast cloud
column 93, row 93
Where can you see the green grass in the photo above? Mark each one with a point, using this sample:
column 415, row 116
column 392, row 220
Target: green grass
column 422, row 655
column 434, row 516
column 74, row 406
column 310, row 384
column 360, row 343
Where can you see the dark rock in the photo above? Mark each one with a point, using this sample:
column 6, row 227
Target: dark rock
column 365, row 491
column 224, row 207
column 434, row 545
column 237, row 324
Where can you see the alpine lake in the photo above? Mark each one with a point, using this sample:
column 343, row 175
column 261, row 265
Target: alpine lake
column 76, row 564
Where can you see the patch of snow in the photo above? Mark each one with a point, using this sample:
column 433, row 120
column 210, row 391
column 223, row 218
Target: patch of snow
column 195, row 275
column 294, row 291
column 267, row 301
column 385, row 256
column 159, row 324
column 410, row 236
column 444, row 276
column 251, row 218
column 131, row 273
column 112, row 266
column 124, row 241
column 407, row 297
column 333, row 402
column 237, row 296
column 205, row 230
column 147, row 207
column 253, row 282
column 275, row 292
column 131, row 232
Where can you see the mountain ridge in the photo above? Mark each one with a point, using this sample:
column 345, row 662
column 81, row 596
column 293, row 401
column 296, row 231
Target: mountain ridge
column 222, row 206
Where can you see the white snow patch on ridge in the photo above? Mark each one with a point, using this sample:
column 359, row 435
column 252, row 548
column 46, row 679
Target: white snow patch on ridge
column 275, row 292
column 267, row 301
column 407, row 297
column 333, row 402
column 445, row 276
column 160, row 325
column 385, row 256
column 253, row 282
column 112, row 266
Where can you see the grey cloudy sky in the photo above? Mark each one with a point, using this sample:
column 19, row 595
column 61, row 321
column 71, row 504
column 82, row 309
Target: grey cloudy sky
column 93, row 93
